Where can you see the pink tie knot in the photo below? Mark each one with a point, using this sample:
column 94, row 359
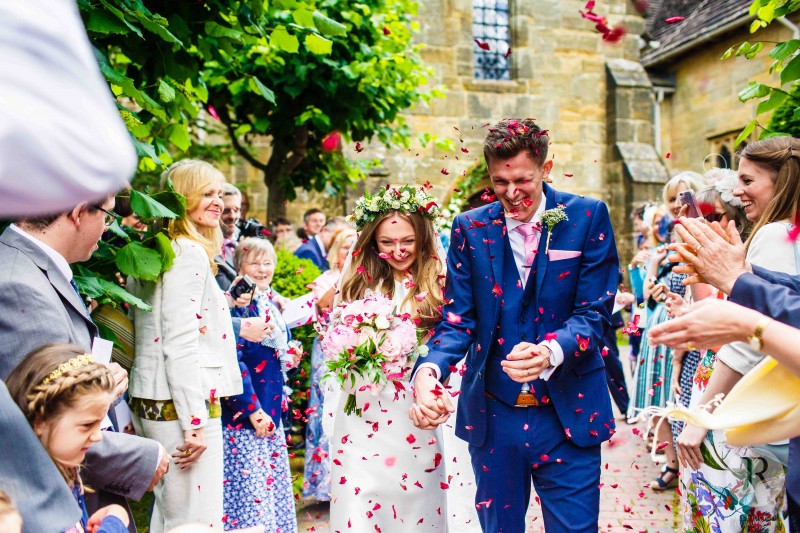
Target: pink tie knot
column 529, row 229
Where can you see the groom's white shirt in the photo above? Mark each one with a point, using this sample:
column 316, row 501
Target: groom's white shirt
column 517, row 242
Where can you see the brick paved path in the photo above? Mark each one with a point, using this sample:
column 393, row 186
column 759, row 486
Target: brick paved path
column 626, row 504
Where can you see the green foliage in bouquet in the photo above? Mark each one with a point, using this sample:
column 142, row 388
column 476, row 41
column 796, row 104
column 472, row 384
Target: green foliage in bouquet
column 368, row 365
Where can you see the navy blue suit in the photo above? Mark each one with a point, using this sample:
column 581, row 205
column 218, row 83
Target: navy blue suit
column 556, row 444
column 312, row 250
column 778, row 296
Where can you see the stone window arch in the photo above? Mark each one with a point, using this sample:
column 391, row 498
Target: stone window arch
column 491, row 30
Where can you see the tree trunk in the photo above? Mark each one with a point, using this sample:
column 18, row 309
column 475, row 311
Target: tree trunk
column 276, row 201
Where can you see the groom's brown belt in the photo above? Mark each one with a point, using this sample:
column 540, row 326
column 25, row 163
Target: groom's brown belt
column 525, row 399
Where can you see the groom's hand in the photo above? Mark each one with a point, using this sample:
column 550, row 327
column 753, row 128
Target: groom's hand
column 432, row 405
column 526, row 362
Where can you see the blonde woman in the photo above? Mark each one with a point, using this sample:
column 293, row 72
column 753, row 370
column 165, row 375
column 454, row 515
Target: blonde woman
column 186, row 357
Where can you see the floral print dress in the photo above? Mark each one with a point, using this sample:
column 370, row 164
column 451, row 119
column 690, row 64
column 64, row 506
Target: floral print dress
column 736, row 490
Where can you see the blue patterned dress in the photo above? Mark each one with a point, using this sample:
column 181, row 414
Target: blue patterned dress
column 258, row 482
column 317, row 476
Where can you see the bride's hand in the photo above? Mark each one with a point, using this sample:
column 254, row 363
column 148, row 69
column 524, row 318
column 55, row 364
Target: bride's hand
column 432, row 405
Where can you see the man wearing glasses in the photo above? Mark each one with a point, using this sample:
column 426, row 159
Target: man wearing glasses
column 39, row 304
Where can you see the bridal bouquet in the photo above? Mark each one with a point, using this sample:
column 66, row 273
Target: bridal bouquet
column 369, row 344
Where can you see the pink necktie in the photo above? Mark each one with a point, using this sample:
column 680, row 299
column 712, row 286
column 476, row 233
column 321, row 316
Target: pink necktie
column 531, row 232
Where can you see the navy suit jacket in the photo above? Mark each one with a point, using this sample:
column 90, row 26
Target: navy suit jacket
column 773, row 293
column 574, row 300
column 311, row 250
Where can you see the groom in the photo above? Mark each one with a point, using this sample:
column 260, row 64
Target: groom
column 530, row 294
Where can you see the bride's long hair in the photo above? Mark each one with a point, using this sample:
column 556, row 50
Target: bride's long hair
column 427, row 271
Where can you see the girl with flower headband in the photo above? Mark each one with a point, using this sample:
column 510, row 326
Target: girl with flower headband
column 65, row 395
column 387, row 475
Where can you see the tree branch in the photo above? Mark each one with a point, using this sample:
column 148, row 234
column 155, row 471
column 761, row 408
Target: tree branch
column 239, row 147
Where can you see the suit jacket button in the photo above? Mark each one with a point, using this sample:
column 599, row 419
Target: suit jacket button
column 523, row 337
column 525, row 302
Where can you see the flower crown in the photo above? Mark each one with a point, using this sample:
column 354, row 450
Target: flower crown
column 406, row 199
column 72, row 364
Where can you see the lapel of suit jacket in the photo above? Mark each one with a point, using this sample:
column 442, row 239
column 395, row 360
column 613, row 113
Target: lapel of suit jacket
column 496, row 236
column 542, row 259
column 51, row 272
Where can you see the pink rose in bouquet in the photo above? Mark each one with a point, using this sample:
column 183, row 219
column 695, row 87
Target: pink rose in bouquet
column 368, row 342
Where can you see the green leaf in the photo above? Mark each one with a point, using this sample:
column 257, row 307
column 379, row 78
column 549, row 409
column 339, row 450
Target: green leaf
column 121, row 16
column 791, row 71
column 783, row 50
column 179, row 136
column 165, row 91
column 147, row 207
column 280, row 38
column 303, row 17
column 767, row 12
column 743, row 48
column 215, row 30
column 164, row 248
column 145, row 149
column 754, row 90
column 118, row 231
column 265, row 91
column 135, row 260
column 745, row 132
column 105, row 23
column 318, row 45
column 755, row 49
column 120, row 294
column 728, row 53
column 775, row 99
column 755, row 25
column 328, row 27
column 170, row 199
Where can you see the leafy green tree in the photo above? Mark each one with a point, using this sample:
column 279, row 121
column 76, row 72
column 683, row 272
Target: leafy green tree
column 357, row 83
column 783, row 119
column 292, row 70
column 786, row 64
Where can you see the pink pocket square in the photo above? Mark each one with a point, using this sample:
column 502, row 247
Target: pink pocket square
column 559, row 255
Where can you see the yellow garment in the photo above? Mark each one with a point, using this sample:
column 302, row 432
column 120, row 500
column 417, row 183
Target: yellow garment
column 763, row 407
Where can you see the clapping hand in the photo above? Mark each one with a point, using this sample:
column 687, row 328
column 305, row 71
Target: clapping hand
column 713, row 254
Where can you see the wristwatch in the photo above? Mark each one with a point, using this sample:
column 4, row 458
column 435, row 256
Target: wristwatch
column 755, row 338
column 552, row 358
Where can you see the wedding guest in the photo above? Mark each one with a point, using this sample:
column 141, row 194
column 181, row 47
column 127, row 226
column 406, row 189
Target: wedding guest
column 317, row 476
column 313, row 221
column 258, row 484
column 228, row 223
column 65, row 395
column 653, row 376
column 285, row 236
column 186, row 356
column 316, row 247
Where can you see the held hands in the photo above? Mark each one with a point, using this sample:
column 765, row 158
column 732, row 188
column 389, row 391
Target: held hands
column 93, row 524
column 526, row 362
column 432, row 405
column 194, row 444
column 262, row 423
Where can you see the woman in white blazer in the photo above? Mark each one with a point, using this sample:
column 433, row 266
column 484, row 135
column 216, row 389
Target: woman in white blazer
column 186, row 357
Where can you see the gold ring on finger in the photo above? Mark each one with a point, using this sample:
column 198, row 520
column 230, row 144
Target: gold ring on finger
column 187, row 453
column 690, row 346
column 698, row 248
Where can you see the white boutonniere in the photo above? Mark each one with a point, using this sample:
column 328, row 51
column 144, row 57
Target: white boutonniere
column 550, row 218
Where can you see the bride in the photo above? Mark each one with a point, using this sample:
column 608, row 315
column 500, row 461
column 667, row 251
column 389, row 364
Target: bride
column 387, row 475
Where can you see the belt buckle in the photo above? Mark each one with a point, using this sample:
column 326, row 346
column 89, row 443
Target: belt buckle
column 526, row 399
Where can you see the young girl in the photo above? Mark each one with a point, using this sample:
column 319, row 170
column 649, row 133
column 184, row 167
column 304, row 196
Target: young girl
column 65, row 395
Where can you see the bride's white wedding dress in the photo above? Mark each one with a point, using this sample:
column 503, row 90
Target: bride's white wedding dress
column 386, row 475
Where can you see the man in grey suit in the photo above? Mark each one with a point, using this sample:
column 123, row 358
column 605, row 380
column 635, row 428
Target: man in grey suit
column 39, row 304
